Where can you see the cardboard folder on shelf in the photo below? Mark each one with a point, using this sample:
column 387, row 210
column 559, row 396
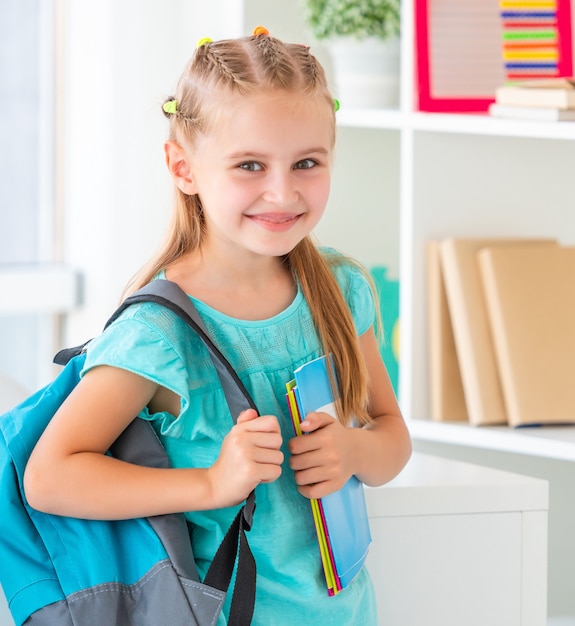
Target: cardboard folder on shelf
column 445, row 386
column 471, row 329
column 530, row 296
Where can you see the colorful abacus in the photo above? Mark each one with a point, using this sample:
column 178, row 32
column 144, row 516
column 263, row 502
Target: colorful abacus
column 536, row 38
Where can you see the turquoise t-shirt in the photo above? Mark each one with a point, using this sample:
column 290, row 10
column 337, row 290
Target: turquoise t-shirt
column 152, row 342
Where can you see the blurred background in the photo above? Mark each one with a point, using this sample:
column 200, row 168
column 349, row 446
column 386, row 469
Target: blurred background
column 84, row 192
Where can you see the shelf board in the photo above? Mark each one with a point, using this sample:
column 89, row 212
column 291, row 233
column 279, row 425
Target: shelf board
column 38, row 289
column 483, row 124
column 470, row 124
column 382, row 119
column 552, row 442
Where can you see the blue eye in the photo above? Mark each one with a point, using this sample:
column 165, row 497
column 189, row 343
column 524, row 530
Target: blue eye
column 250, row 166
column 305, row 164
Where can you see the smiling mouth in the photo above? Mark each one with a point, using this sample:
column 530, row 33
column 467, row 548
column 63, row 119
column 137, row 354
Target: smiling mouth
column 275, row 218
column 277, row 222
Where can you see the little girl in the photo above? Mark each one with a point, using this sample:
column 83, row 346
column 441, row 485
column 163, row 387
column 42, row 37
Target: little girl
column 250, row 151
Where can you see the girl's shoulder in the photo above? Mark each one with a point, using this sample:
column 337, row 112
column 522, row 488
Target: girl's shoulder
column 148, row 340
column 356, row 285
column 141, row 333
column 348, row 271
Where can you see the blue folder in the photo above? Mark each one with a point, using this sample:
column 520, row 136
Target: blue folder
column 345, row 511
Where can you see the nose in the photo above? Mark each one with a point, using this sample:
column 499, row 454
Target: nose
column 281, row 189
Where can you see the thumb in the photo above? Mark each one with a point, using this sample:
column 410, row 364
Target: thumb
column 247, row 415
column 315, row 421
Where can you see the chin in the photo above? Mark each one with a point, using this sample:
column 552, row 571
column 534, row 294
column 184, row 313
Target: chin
column 278, row 250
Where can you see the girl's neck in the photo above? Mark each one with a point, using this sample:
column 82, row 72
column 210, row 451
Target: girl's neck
column 250, row 288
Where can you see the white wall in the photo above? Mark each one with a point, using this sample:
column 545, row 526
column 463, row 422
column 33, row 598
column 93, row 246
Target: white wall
column 122, row 58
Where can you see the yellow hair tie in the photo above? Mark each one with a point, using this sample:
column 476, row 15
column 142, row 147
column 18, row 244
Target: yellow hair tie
column 170, row 107
column 203, row 41
column 261, row 30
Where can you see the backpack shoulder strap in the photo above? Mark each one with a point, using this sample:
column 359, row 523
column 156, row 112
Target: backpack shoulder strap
column 171, row 296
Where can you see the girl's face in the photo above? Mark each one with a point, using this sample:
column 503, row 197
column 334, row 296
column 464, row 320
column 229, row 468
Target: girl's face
column 262, row 171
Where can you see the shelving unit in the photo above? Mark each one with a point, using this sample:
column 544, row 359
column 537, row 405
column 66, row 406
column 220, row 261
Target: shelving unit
column 461, row 175
column 468, row 175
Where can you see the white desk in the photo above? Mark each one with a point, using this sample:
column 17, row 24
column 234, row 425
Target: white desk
column 456, row 544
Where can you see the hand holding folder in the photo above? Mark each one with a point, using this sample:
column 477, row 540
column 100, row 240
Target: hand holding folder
column 340, row 518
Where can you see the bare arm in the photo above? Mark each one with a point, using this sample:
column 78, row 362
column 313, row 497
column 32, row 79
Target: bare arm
column 326, row 458
column 69, row 474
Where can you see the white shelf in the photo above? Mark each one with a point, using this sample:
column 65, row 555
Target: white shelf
column 483, row 124
column 471, row 124
column 552, row 442
column 382, row 119
column 43, row 288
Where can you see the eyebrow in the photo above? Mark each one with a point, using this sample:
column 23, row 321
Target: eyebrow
column 259, row 155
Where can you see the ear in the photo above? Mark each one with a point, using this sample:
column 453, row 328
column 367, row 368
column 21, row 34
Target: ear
column 179, row 167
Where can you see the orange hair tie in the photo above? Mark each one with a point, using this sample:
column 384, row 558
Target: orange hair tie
column 260, row 30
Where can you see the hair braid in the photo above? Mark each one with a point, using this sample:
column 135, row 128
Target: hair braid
column 275, row 63
column 308, row 65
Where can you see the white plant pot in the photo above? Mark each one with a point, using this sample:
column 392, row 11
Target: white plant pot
column 366, row 72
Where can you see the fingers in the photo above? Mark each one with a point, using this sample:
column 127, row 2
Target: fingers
column 314, row 421
column 250, row 455
column 317, row 466
column 318, row 458
column 318, row 490
column 319, row 430
column 247, row 415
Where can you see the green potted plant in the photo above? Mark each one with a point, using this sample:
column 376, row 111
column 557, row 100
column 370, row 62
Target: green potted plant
column 362, row 37
column 359, row 19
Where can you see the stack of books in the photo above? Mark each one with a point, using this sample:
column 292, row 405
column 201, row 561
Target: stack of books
column 549, row 99
column 501, row 316
column 341, row 520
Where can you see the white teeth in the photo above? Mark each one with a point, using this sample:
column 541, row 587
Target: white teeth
column 276, row 219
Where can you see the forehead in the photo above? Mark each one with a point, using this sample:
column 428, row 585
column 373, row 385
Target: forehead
column 273, row 116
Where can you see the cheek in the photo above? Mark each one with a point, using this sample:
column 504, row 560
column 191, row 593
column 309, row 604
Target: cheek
column 221, row 194
column 320, row 195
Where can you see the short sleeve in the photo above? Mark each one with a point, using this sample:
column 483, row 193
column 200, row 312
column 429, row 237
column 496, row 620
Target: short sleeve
column 134, row 344
column 358, row 295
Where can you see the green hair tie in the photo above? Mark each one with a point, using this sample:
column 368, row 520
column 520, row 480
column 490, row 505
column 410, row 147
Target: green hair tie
column 170, row 107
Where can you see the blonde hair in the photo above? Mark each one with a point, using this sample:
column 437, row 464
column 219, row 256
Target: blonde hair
column 245, row 66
